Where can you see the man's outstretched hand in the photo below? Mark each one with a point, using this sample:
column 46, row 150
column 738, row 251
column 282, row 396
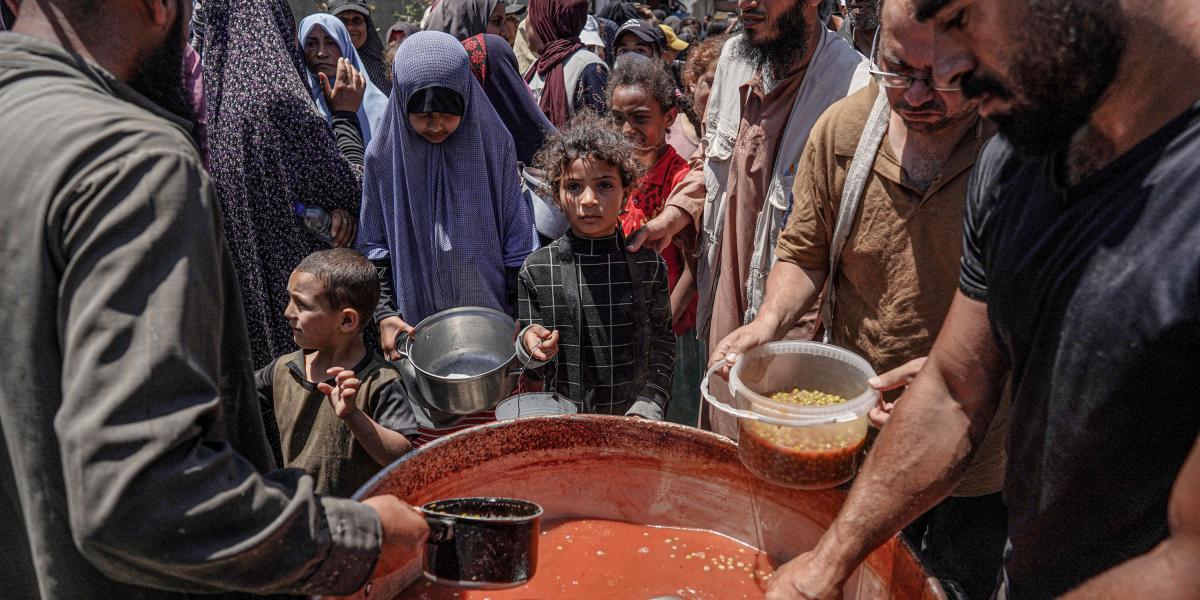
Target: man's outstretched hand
column 659, row 231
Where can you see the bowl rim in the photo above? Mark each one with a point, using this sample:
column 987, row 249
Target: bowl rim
column 857, row 406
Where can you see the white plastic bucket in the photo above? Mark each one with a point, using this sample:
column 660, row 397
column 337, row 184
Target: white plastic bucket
column 534, row 404
column 804, row 447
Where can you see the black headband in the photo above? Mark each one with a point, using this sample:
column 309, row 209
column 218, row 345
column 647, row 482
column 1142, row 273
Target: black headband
column 436, row 99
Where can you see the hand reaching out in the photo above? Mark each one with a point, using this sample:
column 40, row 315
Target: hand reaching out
column 348, row 89
column 341, row 397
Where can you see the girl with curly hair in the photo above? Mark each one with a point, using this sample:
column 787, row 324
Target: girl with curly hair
column 597, row 317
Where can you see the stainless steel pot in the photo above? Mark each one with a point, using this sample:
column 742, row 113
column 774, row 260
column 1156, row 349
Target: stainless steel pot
column 462, row 360
column 482, row 543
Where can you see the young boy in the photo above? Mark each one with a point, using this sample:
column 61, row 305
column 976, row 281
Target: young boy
column 341, row 411
column 608, row 310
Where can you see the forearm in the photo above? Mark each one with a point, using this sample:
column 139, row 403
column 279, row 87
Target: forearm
column 681, row 296
column 688, row 197
column 791, row 291
column 910, row 469
column 381, row 443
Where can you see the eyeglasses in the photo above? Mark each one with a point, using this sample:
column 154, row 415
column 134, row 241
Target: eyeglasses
column 901, row 82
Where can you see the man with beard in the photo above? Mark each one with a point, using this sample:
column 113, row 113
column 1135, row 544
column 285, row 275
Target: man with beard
column 861, row 23
column 1080, row 281
column 772, row 82
column 136, row 463
column 898, row 269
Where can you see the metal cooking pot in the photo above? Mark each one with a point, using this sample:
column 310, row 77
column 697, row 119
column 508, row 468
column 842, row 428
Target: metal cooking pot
column 462, row 360
column 482, row 543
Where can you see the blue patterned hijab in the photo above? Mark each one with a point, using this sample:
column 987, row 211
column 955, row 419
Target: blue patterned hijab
column 374, row 103
column 449, row 216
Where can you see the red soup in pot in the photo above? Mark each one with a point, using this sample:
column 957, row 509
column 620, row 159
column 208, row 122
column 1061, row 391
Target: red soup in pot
column 599, row 559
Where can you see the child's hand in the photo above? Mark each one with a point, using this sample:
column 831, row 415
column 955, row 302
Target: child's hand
column 341, row 398
column 541, row 343
column 390, row 329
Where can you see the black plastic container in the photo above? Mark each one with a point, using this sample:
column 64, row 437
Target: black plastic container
column 482, row 543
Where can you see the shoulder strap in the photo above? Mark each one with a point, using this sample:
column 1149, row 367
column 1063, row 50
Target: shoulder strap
column 856, row 182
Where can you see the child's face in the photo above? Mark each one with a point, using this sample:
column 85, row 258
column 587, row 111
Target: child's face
column 434, row 127
column 591, row 196
column 314, row 323
column 642, row 120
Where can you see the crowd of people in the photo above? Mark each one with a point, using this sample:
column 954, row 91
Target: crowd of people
column 222, row 222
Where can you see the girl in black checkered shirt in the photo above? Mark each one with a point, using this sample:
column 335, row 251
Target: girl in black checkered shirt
column 597, row 317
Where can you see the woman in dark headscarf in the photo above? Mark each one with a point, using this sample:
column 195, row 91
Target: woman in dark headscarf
column 366, row 39
column 495, row 67
column 269, row 148
column 566, row 77
column 467, row 18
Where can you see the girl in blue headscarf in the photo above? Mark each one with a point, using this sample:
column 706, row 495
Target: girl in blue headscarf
column 442, row 207
column 324, row 40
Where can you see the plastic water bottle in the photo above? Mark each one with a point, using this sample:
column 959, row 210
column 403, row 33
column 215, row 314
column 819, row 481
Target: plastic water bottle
column 316, row 220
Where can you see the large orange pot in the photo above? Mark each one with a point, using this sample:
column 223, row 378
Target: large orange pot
column 638, row 471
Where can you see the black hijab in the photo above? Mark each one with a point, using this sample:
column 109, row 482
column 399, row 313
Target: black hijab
column 495, row 66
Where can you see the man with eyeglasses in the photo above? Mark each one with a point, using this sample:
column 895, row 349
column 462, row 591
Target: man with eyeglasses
column 1078, row 302
column 896, row 270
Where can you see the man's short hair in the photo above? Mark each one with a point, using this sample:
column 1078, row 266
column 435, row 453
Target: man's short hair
column 348, row 279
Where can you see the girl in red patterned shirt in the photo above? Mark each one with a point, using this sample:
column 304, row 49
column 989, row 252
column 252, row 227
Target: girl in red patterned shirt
column 643, row 101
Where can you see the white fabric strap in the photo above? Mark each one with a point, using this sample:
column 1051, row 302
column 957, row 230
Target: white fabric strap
column 852, row 192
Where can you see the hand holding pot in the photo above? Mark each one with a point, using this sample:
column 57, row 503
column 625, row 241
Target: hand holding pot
column 742, row 340
column 541, row 343
column 804, row 578
column 390, row 329
column 404, row 533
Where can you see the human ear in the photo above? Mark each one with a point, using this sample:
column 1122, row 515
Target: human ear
column 350, row 320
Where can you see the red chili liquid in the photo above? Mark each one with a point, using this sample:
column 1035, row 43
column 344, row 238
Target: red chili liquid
column 598, row 559
column 800, row 468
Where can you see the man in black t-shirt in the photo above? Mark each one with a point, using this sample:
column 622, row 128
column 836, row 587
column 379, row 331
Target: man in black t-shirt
column 1080, row 286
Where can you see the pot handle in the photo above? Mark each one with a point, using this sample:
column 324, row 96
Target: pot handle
column 440, row 530
column 403, row 345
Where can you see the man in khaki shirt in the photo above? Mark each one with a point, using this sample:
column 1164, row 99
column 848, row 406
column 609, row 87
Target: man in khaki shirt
column 898, row 270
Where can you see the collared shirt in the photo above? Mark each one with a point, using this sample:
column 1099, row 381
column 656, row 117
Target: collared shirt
column 137, row 465
column 899, row 268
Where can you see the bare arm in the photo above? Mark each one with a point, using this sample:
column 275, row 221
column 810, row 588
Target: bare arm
column 930, row 438
column 791, row 290
column 383, row 444
column 1169, row 570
